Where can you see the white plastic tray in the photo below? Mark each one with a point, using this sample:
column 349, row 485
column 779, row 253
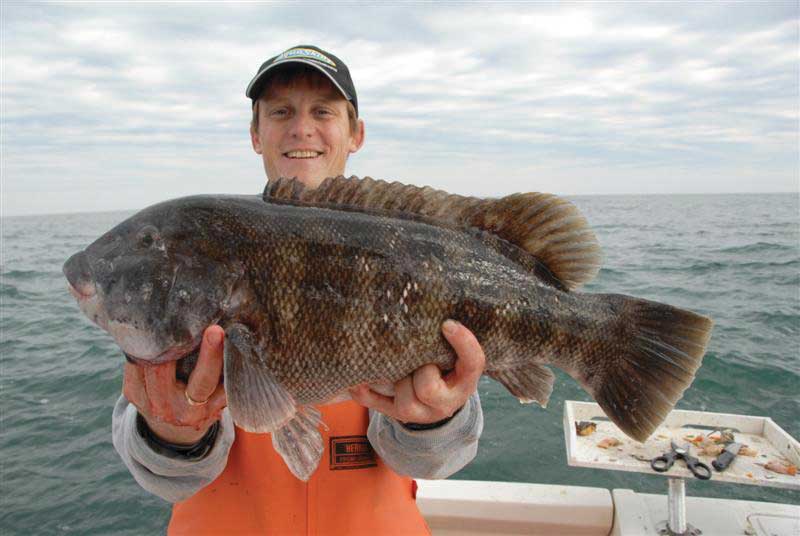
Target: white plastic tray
column 769, row 440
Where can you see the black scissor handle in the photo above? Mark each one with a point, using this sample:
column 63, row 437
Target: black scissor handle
column 698, row 469
column 662, row 463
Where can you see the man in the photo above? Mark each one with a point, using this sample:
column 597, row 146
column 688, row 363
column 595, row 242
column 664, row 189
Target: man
column 180, row 443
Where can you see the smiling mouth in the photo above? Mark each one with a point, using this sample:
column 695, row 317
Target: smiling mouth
column 302, row 154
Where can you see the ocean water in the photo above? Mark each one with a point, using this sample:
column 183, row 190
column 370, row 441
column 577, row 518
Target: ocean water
column 735, row 258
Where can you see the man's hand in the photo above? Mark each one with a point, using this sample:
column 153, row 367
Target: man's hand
column 426, row 396
column 163, row 402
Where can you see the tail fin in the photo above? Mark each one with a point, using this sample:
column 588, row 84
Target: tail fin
column 654, row 361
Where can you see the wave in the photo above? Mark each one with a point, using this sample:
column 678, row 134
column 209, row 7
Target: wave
column 10, row 291
column 610, row 272
column 25, row 275
column 741, row 367
column 704, row 267
column 758, row 247
column 659, row 248
column 610, row 226
column 785, row 322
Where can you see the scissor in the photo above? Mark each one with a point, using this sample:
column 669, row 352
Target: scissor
column 665, row 461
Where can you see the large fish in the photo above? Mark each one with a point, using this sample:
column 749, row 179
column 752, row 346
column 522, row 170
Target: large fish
column 320, row 290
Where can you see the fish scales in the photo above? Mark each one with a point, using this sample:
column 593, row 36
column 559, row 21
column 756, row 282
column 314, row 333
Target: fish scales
column 356, row 269
column 320, row 290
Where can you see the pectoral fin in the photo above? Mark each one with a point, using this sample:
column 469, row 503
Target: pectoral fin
column 257, row 401
column 300, row 443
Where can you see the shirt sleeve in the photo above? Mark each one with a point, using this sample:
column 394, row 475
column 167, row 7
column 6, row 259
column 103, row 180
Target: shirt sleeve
column 173, row 478
column 430, row 454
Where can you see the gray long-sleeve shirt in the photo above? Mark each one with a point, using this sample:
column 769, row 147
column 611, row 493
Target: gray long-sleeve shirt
column 436, row 453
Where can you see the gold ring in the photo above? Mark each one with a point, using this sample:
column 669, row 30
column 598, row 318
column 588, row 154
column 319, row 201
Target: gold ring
column 192, row 401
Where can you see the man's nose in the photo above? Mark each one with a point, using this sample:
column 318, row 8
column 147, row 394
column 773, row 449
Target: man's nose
column 302, row 125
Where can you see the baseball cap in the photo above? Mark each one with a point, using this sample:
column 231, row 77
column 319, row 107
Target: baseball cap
column 323, row 61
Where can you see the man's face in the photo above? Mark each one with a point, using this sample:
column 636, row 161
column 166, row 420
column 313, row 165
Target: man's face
column 304, row 132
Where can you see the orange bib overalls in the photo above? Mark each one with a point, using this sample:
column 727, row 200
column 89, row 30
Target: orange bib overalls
column 352, row 492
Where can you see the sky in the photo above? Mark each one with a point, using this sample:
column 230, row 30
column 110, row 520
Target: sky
column 109, row 106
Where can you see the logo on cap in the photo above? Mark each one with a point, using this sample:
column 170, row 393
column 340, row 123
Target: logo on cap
column 308, row 54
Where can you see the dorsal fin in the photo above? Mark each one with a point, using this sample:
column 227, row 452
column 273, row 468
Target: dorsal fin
column 547, row 227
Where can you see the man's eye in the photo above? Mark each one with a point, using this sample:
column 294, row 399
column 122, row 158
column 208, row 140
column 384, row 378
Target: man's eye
column 279, row 112
column 324, row 112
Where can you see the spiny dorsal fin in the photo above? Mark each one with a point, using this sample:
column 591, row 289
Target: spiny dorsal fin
column 549, row 228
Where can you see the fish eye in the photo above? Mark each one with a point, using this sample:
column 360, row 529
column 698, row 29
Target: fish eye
column 147, row 236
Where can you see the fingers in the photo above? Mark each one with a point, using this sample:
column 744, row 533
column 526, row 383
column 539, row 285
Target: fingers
column 204, row 379
column 404, row 406
column 471, row 359
column 432, row 397
column 160, row 386
column 429, row 387
column 133, row 385
column 370, row 399
column 435, row 400
column 425, row 396
column 407, row 405
column 162, row 401
column 217, row 402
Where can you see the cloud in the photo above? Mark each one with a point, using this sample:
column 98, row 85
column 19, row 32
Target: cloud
column 590, row 98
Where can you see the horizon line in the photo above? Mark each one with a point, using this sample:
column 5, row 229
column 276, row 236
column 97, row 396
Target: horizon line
column 73, row 213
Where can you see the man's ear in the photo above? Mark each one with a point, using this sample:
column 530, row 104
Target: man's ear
column 254, row 133
column 254, row 139
column 357, row 139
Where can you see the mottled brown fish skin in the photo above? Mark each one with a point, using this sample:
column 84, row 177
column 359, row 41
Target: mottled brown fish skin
column 343, row 298
column 328, row 298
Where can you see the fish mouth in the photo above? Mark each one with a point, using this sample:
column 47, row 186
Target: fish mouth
column 170, row 354
column 79, row 276
column 135, row 360
column 82, row 293
column 81, row 287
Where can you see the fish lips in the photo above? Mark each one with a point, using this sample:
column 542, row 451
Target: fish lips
column 81, row 284
column 78, row 272
column 139, row 351
column 173, row 354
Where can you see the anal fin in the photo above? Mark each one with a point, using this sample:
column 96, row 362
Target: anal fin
column 528, row 382
column 257, row 401
column 300, row 443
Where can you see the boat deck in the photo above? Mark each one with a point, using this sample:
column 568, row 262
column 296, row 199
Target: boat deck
column 472, row 508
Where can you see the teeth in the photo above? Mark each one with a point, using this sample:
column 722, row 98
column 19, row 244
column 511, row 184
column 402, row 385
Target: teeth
column 302, row 154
